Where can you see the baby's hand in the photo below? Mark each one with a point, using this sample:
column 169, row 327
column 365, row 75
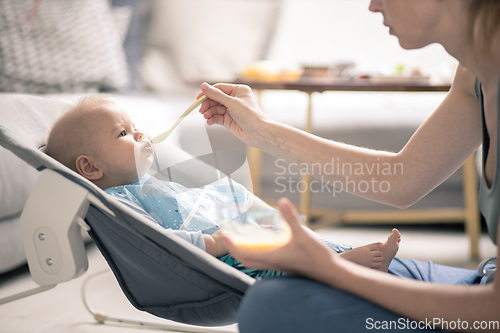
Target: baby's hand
column 215, row 245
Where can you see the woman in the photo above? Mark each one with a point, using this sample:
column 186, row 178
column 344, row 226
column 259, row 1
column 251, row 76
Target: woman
column 351, row 298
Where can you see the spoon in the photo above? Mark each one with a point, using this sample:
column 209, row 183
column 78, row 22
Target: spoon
column 193, row 106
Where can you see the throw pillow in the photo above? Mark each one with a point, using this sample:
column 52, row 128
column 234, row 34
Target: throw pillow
column 52, row 46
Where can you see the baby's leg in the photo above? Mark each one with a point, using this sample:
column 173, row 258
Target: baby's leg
column 376, row 255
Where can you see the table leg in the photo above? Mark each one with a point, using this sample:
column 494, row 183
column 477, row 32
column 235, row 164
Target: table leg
column 254, row 157
column 305, row 194
column 471, row 207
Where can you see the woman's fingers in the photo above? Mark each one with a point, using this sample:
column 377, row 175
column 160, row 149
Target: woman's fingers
column 212, row 108
column 224, row 93
column 221, row 93
column 215, row 104
column 235, row 90
column 282, row 258
column 289, row 213
column 234, row 107
column 209, row 104
column 216, row 120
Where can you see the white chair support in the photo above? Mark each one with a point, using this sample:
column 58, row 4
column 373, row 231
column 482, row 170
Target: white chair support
column 104, row 318
column 50, row 227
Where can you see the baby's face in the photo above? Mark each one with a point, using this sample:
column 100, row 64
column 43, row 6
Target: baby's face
column 122, row 152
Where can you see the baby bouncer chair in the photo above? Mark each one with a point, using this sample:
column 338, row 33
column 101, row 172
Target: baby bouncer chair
column 159, row 273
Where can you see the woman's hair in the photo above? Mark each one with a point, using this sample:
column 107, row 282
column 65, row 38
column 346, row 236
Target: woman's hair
column 484, row 15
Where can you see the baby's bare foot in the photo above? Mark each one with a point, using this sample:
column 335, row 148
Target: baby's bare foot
column 369, row 255
column 376, row 255
column 391, row 247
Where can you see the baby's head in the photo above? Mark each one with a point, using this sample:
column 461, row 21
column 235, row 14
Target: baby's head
column 98, row 140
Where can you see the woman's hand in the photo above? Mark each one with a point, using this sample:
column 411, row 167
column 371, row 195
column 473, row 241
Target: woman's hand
column 303, row 255
column 234, row 107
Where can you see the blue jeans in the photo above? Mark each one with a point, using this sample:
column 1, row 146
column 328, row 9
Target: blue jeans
column 294, row 304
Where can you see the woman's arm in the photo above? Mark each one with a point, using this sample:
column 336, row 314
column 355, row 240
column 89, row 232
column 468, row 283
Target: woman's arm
column 412, row 299
column 439, row 147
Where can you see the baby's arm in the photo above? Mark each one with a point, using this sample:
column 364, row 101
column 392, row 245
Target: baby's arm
column 214, row 244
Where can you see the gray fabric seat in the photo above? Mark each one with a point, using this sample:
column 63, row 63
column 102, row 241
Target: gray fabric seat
column 159, row 273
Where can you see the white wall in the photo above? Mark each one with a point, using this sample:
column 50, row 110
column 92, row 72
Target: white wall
column 328, row 31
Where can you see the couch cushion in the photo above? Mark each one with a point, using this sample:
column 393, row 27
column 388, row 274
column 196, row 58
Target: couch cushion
column 235, row 33
column 17, row 179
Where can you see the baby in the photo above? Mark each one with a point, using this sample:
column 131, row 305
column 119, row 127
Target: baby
column 98, row 140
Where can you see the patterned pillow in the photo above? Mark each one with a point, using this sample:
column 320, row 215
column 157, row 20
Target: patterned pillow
column 52, row 46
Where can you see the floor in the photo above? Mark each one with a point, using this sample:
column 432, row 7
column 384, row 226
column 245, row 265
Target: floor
column 61, row 309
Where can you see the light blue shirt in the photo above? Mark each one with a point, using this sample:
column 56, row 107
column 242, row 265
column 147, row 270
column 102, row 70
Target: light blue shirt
column 177, row 207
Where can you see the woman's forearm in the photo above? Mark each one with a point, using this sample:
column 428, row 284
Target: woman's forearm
column 436, row 150
column 376, row 175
